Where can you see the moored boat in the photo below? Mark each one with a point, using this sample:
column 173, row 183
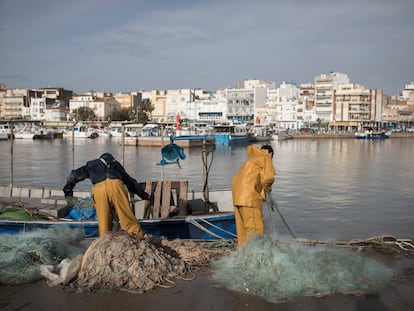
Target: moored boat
column 370, row 134
column 230, row 133
column 260, row 133
column 4, row 131
column 81, row 131
column 46, row 208
column 281, row 136
column 4, row 136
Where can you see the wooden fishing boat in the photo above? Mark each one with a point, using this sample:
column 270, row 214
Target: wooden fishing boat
column 188, row 219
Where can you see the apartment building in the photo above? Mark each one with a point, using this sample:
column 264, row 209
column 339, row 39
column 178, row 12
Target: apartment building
column 131, row 100
column 285, row 109
column 325, row 84
column 14, row 104
column 158, row 99
column 208, row 110
column 307, row 100
column 249, row 103
column 408, row 93
column 354, row 105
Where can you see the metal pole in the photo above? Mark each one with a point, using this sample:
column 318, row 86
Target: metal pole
column 73, row 146
column 123, row 143
column 11, row 157
column 162, row 146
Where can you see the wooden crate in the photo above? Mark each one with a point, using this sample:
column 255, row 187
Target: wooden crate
column 169, row 197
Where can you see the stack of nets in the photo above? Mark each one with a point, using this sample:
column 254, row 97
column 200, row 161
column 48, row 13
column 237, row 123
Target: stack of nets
column 22, row 255
column 117, row 261
column 280, row 270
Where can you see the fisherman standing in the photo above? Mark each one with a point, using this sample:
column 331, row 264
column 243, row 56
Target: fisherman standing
column 249, row 187
column 109, row 179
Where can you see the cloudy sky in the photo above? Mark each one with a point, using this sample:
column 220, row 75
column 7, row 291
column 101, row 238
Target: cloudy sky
column 128, row 45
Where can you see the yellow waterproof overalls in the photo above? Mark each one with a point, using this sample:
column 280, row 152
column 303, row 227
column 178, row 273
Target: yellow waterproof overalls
column 249, row 187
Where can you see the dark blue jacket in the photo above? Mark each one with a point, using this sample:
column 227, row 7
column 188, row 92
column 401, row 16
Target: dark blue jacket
column 100, row 169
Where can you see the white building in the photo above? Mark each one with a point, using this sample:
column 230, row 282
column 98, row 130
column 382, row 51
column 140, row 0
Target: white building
column 207, row 110
column 37, row 109
column 407, row 91
column 325, row 84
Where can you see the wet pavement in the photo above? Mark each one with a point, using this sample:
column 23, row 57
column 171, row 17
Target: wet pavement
column 199, row 294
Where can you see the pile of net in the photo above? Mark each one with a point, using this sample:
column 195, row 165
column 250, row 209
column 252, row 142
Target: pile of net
column 117, row 261
column 23, row 256
column 280, row 270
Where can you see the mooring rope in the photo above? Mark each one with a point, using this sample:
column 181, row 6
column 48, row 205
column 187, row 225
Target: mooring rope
column 274, row 206
column 193, row 221
column 217, row 227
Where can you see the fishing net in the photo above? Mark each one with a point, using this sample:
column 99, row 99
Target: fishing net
column 280, row 270
column 81, row 209
column 117, row 261
column 22, row 255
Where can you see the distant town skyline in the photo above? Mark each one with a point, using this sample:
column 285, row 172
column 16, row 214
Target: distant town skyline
column 123, row 46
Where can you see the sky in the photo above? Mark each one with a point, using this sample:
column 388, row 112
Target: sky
column 131, row 45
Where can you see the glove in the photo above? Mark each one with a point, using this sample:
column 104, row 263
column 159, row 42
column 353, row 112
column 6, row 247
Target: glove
column 149, row 197
column 272, row 204
column 68, row 193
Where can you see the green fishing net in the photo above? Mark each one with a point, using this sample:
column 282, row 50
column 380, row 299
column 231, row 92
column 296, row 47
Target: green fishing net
column 281, row 269
column 21, row 255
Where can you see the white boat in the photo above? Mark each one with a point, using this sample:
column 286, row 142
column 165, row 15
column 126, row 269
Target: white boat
column 25, row 133
column 281, row 136
column 4, row 136
column 4, row 131
column 260, row 133
column 81, row 131
column 116, row 131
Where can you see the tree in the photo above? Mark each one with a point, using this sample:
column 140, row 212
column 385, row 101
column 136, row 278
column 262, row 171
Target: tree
column 83, row 114
column 123, row 114
column 144, row 112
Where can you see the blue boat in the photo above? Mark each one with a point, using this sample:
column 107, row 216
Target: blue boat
column 203, row 227
column 226, row 134
column 206, row 215
column 45, row 208
column 372, row 135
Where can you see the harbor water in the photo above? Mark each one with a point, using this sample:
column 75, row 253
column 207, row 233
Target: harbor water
column 336, row 189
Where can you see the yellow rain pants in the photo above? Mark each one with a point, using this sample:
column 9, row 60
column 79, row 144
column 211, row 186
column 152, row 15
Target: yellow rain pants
column 249, row 222
column 111, row 193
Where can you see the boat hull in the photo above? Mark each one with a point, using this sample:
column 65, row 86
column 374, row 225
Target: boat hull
column 204, row 227
column 382, row 135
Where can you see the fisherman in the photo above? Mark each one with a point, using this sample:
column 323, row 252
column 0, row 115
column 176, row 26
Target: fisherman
column 249, row 187
column 109, row 179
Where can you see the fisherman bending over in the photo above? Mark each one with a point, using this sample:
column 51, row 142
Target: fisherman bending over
column 109, row 179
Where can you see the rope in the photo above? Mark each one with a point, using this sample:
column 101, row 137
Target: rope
column 273, row 206
column 202, row 228
column 217, row 227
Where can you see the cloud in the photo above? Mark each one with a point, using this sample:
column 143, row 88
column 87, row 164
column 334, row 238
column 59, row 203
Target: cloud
column 171, row 42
